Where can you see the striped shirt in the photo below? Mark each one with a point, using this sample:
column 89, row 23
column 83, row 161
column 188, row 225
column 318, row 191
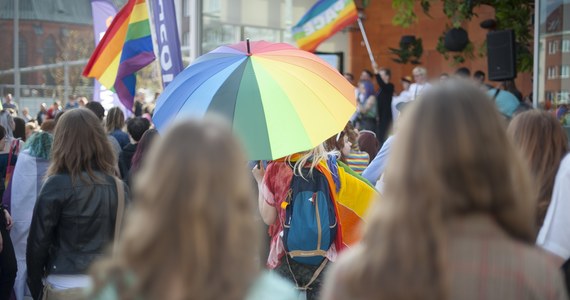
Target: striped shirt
column 357, row 161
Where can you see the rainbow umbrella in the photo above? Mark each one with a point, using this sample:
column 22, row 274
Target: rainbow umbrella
column 279, row 99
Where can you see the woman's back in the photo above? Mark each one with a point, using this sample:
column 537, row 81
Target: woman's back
column 79, row 219
column 485, row 263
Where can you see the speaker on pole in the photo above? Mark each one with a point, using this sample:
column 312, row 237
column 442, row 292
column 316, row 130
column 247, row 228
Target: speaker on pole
column 501, row 55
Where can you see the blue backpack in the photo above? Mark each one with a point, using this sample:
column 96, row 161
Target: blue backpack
column 310, row 223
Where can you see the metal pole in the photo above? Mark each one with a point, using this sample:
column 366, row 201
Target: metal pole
column 65, row 82
column 537, row 76
column 366, row 41
column 17, row 52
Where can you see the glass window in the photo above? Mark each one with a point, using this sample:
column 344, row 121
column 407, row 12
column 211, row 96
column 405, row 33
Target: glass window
column 565, row 71
column 565, row 46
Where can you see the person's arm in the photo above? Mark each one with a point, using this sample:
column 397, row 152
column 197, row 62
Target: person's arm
column 369, row 104
column 378, row 165
column 379, row 79
column 268, row 212
column 45, row 218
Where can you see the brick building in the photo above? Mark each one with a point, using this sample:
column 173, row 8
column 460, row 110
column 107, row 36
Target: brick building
column 44, row 28
column 383, row 34
column 556, row 56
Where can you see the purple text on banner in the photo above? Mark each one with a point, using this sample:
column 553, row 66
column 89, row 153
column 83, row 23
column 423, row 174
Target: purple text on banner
column 164, row 19
column 103, row 13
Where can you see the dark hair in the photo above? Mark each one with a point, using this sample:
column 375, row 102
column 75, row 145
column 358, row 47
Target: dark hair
column 2, row 132
column 142, row 148
column 137, row 127
column 386, row 71
column 96, row 108
column 368, row 72
column 20, row 130
column 368, row 143
column 463, row 72
column 479, row 75
column 58, row 116
column 510, row 86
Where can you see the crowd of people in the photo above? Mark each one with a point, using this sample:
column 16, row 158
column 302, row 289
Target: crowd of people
column 448, row 190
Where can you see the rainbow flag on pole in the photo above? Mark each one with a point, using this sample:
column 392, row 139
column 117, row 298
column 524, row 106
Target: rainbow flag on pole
column 125, row 48
column 324, row 19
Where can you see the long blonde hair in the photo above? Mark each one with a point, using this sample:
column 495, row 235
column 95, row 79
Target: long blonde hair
column 452, row 158
column 543, row 143
column 313, row 156
column 192, row 227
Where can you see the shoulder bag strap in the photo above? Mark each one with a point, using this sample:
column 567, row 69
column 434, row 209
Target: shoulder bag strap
column 497, row 91
column 120, row 212
column 14, row 146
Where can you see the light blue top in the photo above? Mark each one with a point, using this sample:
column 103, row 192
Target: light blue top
column 267, row 286
column 506, row 102
column 378, row 164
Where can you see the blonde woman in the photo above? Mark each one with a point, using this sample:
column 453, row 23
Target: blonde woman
column 327, row 203
column 458, row 216
column 192, row 232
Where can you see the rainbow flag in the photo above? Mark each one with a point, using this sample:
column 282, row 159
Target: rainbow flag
column 125, row 48
column 324, row 19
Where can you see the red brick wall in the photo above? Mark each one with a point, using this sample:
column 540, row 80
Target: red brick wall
column 35, row 44
column 382, row 35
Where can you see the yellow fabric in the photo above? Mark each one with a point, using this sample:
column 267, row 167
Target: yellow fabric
column 355, row 194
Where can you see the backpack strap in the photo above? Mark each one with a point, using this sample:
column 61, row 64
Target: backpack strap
column 120, row 212
column 313, row 278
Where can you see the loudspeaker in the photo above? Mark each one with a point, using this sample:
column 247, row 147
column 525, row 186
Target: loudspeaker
column 501, row 56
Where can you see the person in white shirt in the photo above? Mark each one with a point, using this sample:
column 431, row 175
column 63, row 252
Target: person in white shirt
column 420, row 85
column 554, row 235
column 403, row 97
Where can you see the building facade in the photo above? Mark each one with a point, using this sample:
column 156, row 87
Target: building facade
column 553, row 55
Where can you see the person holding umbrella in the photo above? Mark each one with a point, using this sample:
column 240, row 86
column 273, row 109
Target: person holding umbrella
column 314, row 190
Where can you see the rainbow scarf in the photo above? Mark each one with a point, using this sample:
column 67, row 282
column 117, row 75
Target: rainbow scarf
column 125, row 48
column 352, row 197
column 324, row 19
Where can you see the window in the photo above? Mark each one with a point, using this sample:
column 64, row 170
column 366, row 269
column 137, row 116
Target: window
column 186, row 7
column 186, row 39
column 49, row 54
column 565, row 46
column 552, row 47
column 565, row 71
column 552, row 72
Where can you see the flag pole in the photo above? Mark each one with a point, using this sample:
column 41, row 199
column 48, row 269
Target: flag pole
column 366, row 41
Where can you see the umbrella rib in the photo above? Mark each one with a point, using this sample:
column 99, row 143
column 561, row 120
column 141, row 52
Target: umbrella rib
column 306, row 58
column 308, row 87
column 200, row 85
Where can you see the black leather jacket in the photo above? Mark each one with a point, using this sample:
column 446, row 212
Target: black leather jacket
column 71, row 226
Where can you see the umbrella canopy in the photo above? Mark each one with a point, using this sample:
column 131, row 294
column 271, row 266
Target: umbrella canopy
column 280, row 100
